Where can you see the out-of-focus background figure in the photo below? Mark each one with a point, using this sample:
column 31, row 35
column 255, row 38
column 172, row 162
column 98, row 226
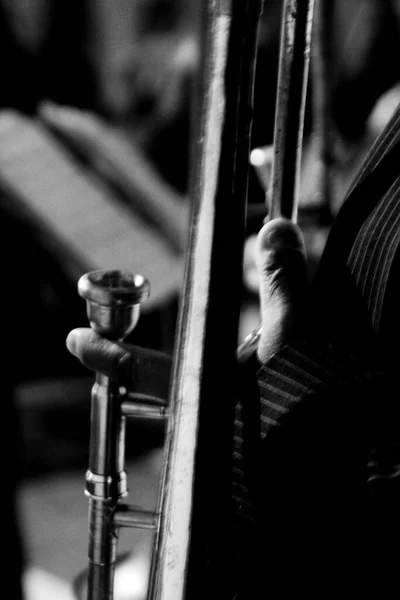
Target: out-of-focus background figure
column 95, row 146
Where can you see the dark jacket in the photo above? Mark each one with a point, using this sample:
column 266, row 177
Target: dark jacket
column 319, row 484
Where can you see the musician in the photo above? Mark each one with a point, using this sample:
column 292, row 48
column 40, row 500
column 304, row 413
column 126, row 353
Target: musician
column 323, row 474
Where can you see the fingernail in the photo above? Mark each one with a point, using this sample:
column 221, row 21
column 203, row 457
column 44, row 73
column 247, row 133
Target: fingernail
column 281, row 239
column 71, row 342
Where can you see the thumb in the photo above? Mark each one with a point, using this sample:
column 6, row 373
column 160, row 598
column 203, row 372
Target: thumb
column 282, row 268
column 138, row 369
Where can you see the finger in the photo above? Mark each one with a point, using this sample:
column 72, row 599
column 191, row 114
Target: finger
column 138, row 369
column 282, row 268
column 277, row 240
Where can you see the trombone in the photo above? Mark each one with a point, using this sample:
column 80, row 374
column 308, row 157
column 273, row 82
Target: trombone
column 192, row 523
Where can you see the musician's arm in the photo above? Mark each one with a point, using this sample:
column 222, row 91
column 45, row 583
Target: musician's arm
column 306, row 382
column 300, row 369
column 296, row 359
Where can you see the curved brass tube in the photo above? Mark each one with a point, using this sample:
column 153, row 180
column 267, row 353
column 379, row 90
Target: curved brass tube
column 192, row 522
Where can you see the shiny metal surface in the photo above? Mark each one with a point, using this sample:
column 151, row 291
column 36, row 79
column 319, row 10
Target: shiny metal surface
column 294, row 59
column 130, row 516
column 113, row 306
column 113, row 301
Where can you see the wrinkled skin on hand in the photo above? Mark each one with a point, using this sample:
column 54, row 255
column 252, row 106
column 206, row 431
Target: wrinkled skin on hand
column 282, row 269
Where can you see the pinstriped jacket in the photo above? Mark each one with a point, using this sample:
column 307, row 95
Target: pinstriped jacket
column 321, row 438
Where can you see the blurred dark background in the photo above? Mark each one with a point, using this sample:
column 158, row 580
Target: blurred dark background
column 131, row 63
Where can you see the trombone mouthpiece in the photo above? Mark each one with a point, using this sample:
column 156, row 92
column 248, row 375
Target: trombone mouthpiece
column 113, row 300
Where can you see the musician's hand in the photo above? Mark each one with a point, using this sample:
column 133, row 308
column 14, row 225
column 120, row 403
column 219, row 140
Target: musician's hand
column 282, row 268
column 138, row 369
column 283, row 281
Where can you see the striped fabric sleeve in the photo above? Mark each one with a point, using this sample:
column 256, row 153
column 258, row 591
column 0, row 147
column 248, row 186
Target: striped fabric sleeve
column 304, row 368
column 246, row 427
column 291, row 374
column 300, row 369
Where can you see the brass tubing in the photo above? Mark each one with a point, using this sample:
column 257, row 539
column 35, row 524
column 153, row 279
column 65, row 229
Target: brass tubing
column 191, row 553
column 102, row 549
column 107, row 432
column 112, row 302
column 294, row 58
column 129, row 516
column 105, row 485
column 135, row 410
column 192, row 546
